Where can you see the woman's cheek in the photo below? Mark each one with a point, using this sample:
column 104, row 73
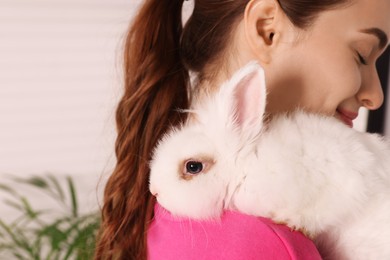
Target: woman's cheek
column 348, row 83
column 355, row 81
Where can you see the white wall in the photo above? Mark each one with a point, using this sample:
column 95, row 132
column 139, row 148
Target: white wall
column 60, row 79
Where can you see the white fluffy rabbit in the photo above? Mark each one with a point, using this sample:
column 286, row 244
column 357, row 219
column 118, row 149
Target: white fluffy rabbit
column 307, row 171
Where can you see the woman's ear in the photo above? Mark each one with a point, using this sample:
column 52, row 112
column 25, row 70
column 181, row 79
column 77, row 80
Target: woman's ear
column 262, row 28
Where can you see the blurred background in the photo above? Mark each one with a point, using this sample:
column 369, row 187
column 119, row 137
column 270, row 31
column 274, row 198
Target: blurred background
column 60, row 80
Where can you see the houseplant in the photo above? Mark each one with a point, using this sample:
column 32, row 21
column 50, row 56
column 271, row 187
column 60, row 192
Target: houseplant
column 60, row 232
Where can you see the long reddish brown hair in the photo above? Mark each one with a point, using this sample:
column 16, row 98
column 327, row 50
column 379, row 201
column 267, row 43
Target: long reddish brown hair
column 158, row 55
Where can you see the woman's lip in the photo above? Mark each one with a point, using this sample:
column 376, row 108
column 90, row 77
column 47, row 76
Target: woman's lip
column 347, row 116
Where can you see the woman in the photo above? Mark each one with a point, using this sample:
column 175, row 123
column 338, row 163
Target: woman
column 318, row 55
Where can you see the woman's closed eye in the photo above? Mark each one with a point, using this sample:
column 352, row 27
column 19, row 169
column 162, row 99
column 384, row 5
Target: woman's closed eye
column 362, row 59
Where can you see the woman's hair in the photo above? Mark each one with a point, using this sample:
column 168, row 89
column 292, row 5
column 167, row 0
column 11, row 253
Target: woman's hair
column 158, row 54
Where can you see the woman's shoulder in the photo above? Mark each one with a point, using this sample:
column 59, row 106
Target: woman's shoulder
column 234, row 236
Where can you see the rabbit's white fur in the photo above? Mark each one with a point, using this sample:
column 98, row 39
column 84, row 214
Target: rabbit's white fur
column 308, row 171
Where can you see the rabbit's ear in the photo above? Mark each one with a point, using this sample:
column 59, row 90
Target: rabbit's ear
column 248, row 99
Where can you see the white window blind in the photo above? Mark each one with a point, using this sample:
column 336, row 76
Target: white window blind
column 60, row 80
column 60, row 66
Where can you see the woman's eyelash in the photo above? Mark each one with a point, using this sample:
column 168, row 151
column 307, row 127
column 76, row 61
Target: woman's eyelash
column 362, row 60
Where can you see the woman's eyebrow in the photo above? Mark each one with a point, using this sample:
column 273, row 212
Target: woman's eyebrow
column 381, row 35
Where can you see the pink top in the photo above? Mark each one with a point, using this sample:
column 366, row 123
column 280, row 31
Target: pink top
column 235, row 236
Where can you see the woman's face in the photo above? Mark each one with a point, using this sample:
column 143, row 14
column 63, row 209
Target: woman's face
column 330, row 67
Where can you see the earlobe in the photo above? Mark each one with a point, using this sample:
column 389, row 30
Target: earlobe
column 260, row 27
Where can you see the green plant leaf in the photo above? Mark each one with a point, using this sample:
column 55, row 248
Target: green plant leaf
column 18, row 255
column 35, row 181
column 18, row 238
column 72, row 192
column 14, row 204
column 8, row 189
column 55, row 235
column 28, row 209
column 68, row 234
column 57, row 186
column 79, row 244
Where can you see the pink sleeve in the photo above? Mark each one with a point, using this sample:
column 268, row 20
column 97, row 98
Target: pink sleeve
column 235, row 236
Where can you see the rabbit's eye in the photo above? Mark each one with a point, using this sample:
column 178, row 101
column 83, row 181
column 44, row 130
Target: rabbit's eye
column 194, row 167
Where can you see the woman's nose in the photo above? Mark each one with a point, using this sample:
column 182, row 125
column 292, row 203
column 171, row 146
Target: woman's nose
column 370, row 94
